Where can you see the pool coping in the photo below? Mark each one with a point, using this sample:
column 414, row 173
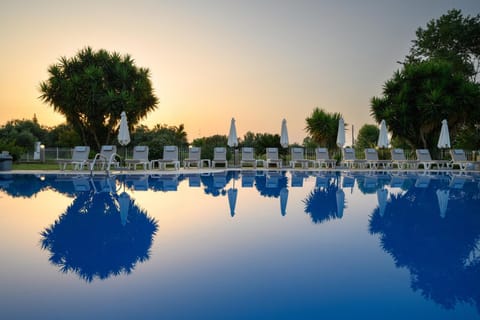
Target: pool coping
column 217, row 170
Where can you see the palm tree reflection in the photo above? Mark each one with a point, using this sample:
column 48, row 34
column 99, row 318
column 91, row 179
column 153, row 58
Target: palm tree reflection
column 215, row 183
column 271, row 184
column 91, row 240
column 441, row 251
column 325, row 202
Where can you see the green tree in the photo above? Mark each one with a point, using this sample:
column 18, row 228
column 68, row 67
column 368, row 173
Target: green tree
column 419, row 96
column 453, row 38
column 367, row 137
column 261, row 141
column 309, row 143
column 159, row 137
column 322, row 127
column 92, row 88
column 267, row 140
column 63, row 135
column 248, row 139
column 468, row 138
column 19, row 136
column 208, row 143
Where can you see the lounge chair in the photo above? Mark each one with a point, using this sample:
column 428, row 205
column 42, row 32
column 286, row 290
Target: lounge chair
column 422, row 181
column 103, row 184
column 139, row 182
column 297, row 178
column 219, row 179
column 219, row 156
column 350, row 160
column 322, row 159
column 195, row 158
column 348, row 181
column 322, row 180
column 79, row 158
column 272, row 179
column 458, row 181
column 248, row 157
column 140, row 157
column 399, row 160
column 106, row 158
column 424, row 158
column 194, row 180
column 81, row 184
column 170, row 158
column 298, row 158
column 248, row 178
column 164, row 182
column 372, row 161
column 272, row 158
column 460, row 158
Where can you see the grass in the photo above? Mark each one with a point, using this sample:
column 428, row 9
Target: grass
column 35, row 166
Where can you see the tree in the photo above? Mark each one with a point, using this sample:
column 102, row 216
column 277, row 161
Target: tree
column 159, row 137
column 209, row 143
column 19, row 136
column 92, row 88
column 452, row 37
column 268, row 140
column 367, row 137
column 419, row 96
column 63, row 135
column 323, row 127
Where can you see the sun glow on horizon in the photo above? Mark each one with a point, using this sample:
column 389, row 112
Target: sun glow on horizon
column 210, row 61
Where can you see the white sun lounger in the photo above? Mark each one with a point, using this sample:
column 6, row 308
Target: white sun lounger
column 170, row 158
column 79, row 158
column 424, row 159
column 272, row 158
column 322, row 159
column 248, row 157
column 195, row 158
column 219, row 156
column 371, row 158
column 399, row 160
column 350, row 160
column 459, row 158
column 106, row 158
column 140, row 157
column 298, row 158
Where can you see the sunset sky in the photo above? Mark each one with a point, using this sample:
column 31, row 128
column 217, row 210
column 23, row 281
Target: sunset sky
column 257, row 61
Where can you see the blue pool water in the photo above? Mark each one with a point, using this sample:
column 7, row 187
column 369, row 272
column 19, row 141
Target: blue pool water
column 240, row 245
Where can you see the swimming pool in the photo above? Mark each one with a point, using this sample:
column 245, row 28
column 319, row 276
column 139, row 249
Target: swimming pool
column 240, row 245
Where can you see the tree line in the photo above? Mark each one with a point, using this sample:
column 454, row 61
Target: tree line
column 19, row 137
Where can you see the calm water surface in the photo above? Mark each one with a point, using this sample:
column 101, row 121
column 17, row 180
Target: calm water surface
column 243, row 245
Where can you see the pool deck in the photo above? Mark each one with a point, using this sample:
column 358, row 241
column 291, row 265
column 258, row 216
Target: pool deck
column 243, row 169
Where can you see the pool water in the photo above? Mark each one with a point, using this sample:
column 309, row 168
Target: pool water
column 240, row 245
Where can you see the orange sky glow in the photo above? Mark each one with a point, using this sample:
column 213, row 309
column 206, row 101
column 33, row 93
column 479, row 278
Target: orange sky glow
column 257, row 61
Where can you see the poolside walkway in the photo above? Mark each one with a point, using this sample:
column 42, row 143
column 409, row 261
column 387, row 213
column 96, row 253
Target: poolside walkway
column 211, row 170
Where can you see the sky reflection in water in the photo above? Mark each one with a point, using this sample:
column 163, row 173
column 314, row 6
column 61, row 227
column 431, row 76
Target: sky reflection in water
column 288, row 245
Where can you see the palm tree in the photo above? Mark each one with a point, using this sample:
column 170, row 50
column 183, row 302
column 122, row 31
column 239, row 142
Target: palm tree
column 92, row 88
column 322, row 127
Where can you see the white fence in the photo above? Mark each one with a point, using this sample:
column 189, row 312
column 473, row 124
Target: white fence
column 54, row 154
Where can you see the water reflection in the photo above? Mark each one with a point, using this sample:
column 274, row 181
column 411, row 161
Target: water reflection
column 22, row 186
column 215, row 183
column 270, row 183
column 428, row 224
column 100, row 234
column 165, row 182
column 326, row 201
column 433, row 230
